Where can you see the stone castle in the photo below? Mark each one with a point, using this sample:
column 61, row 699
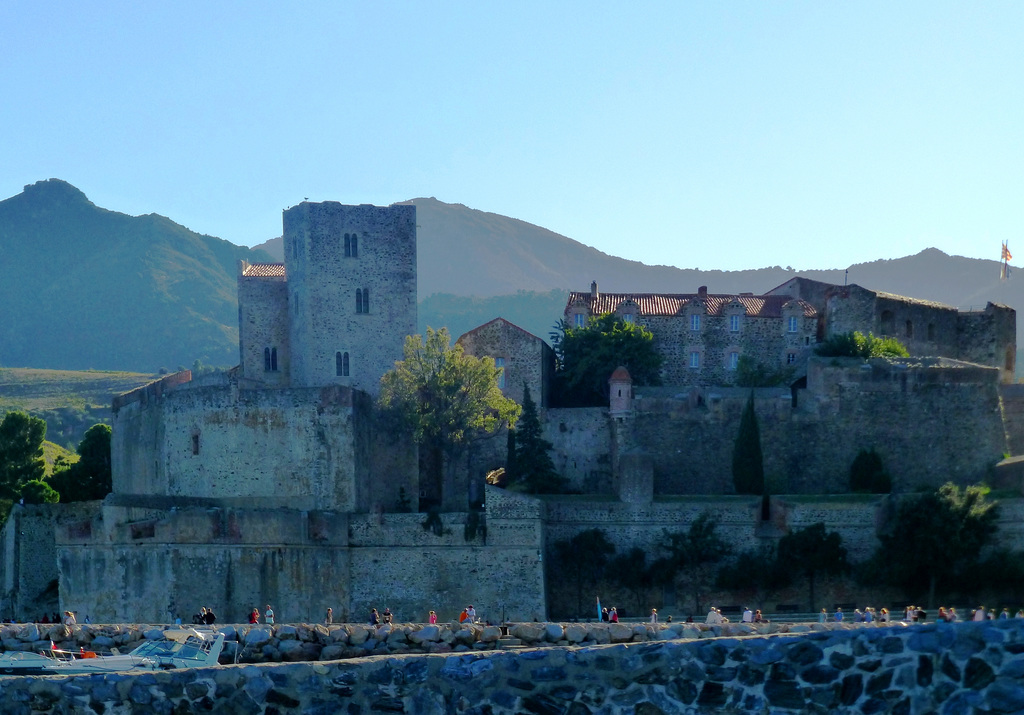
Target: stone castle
column 276, row 483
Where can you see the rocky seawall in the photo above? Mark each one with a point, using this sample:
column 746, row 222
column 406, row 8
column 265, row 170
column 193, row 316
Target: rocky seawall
column 928, row 668
column 305, row 642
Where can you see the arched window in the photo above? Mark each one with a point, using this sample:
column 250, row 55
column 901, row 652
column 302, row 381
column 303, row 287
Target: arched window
column 359, row 301
column 341, row 364
column 355, row 245
column 348, row 246
column 887, row 322
column 337, row 363
column 266, row 359
column 344, row 364
column 273, row 359
column 500, row 364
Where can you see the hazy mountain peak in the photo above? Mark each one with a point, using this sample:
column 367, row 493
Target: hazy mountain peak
column 54, row 191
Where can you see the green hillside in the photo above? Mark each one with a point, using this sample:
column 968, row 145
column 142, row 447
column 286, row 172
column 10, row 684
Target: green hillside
column 70, row 402
column 86, row 288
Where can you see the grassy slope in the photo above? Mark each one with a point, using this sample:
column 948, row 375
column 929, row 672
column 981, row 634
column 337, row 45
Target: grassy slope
column 69, row 401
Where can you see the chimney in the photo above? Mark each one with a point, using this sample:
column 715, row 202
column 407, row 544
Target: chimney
column 593, row 290
column 702, row 292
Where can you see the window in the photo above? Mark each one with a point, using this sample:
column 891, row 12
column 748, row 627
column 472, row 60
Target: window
column 579, row 320
column 341, row 364
column 270, row 359
column 695, row 358
column 792, row 324
column 695, row 322
column 734, row 323
column 628, row 317
column 500, row 364
column 931, row 332
column 790, row 358
column 909, row 329
column 362, row 300
column 734, row 360
column 887, row 323
column 351, row 245
column 195, row 443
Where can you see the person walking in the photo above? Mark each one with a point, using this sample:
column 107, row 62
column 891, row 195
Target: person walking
column 268, row 615
column 329, row 618
column 432, row 618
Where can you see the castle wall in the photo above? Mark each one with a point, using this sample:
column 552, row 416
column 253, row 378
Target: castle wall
column 304, row 448
column 989, row 337
column 263, row 325
column 119, row 567
column 582, row 447
column 931, row 421
column 327, row 317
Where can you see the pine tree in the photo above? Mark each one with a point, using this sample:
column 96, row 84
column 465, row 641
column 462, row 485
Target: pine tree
column 533, row 471
column 747, row 460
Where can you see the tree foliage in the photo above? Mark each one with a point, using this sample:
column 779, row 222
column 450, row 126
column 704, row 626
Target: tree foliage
column 759, row 572
column 581, row 561
column 868, row 475
column 936, row 538
column 90, row 477
column 444, row 396
column 692, row 557
column 747, row 460
column 632, row 572
column 812, row 552
column 856, row 344
column 751, row 373
column 21, row 452
column 38, row 491
column 587, row 357
column 532, row 469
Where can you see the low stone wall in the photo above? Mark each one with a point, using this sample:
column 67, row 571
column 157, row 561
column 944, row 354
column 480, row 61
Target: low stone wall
column 929, row 668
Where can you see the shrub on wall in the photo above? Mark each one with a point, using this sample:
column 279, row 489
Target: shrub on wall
column 867, row 475
column 856, row 344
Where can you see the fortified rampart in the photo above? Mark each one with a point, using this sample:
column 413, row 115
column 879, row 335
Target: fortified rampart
column 932, row 420
column 299, row 448
column 140, row 560
column 930, row 668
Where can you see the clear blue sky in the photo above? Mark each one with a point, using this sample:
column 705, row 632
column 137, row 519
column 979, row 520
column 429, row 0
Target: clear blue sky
column 708, row 135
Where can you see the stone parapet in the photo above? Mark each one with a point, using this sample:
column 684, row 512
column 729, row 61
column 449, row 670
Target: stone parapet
column 913, row 669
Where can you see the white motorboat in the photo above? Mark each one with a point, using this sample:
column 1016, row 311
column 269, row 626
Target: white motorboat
column 179, row 648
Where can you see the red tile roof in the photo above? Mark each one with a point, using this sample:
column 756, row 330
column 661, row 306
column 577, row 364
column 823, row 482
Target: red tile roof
column 264, row 270
column 662, row 304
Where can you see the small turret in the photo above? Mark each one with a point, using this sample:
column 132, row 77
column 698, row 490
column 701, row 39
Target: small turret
column 620, row 393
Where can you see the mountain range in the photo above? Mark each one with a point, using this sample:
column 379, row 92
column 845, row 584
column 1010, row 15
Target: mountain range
column 85, row 287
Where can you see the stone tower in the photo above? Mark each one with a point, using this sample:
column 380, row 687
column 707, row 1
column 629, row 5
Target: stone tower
column 351, row 291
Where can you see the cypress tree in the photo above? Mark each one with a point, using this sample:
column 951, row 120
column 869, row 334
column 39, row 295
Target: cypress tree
column 747, row 460
column 533, row 470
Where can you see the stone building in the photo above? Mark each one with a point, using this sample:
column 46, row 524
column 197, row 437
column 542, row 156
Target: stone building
column 277, row 483
column 525, row 359
column 702, row 336
column 986, row 337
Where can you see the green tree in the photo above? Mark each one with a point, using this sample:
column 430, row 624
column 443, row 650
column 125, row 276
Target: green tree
column 868, row 475
column 581, row 562
column 812, row 552
column 936, row 537
column 90, row 477
column 693, row 557
column 38, row 492
column 532, row 469
column 631, row 571
column 588, row 355
column 751, row 373
column 445, row 398
column 856, row 344
column 747, row 460
column 21, row 452
column 758, row 572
